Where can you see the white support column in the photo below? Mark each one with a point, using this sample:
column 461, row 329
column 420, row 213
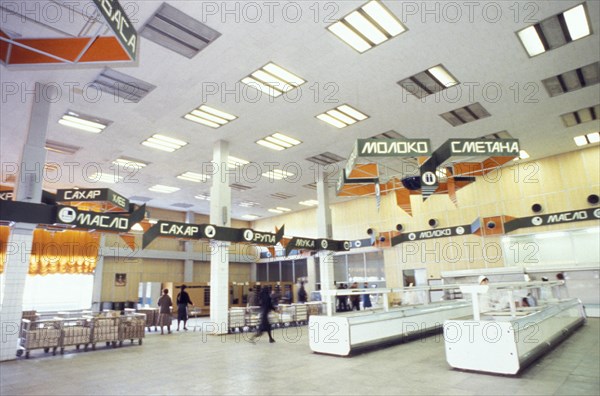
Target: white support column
column 324, row 230
column 220, row 210
column 311, row 275
column 188, row 265
column 28, row 189
column 98, row 276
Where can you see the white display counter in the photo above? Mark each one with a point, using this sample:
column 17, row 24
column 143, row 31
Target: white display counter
column 504, row 342
column 349, row 333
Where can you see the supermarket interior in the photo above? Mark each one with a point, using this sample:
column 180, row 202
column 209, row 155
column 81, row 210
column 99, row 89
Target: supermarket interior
column 284, row 197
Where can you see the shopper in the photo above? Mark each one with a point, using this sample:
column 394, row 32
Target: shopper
column 266, row 306
column 164, row 314
column 302, row 296
column 366, row 298
column 183, row 299
column 355, row 298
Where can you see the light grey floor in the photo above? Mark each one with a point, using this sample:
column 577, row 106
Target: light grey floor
column 193, row 363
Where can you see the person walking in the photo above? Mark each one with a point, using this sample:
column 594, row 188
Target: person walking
column 164, row 314
column 183, row 299
column 266, row 306
column 366, row 298
column 302, row 295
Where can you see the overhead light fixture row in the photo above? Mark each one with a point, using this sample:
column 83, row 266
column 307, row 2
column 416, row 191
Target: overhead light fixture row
column 105, row 178
column 194, row 177
column 203, row 197
column 556, row 31
column 367, row 27
column 163, row 189
column 129, row 163
column 209, row 116
column 584, row 140
column 248, row 204
column 342, row 116
column 83, row 122
column 273, row 80
column 278, row 141
column 277, row 174
column 234, row 162
column 250, row 217
column 164, row 143
column 310, row 202
column 430, row 81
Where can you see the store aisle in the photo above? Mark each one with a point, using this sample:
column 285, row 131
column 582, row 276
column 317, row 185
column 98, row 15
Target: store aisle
column 194, row 363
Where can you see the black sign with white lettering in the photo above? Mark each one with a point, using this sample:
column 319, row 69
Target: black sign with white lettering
column 99, row 221
column 431, row 234
column 393, row 147
column 120, row 24
column 209, row 231
column 553, row 218
column 297, row 243
column 91, row 195
column 27, row 212
column 367, row 242
column 484, row 147
column 6, row 195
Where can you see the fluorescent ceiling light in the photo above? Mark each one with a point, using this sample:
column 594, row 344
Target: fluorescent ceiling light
column 248, row 204
column 442, row 75
column 137, row 227
column 277, row 174
column 275, row 211
column 580, row 140
column 368, row 26
column 195, row 177
column 233, row 162
column 593, row 137
column 352, row 112
column 310, row 202
column 200, row 120
column 577, row 22
column 250, row 217
column 332, row 121
column 270, row 145
column 83, row 121
column 79, row 126
column 164, row 143
column 278, row 141
column 129, row 163
column 384, row 18
column 363, row 25
column 348, row 36
column 342, row 116
column 105, row 178
column 284, row 75
column 273, row 80
column 283, row 209
column 163, row 189
column 203, row 197
column 531, row 41
column 523, row 154
column 152, row 221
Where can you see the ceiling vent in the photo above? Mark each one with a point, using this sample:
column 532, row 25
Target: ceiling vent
column 498, row 135
column 61, row 148
column 388, row 135
column 465, row 114
column 580, row 116
column 326, row 158
column 182, row 205
column 572, row 80
column 239, row 187
column 178, row 32
column 282, row 196
column 121, row 85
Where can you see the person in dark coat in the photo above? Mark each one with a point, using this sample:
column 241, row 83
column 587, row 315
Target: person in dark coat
column 302, row 295
column 266, row 306
column 366, row 298
column 183, row 299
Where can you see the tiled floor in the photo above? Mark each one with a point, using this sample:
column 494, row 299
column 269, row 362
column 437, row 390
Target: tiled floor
column 194, row 363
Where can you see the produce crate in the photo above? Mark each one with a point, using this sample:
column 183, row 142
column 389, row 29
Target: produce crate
column 40, row 334
column 105, row 329
column 151, row 317
column 76, row 331
column 131, row 327
column 301, row 314
column 237, row 319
